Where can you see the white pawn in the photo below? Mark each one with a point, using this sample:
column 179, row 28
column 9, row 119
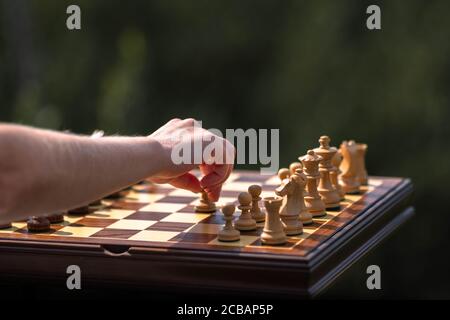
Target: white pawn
column 228, row 233
column 257, row 213
column 245, row 221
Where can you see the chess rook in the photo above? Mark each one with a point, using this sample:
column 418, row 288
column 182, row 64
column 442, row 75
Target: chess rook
column 257, row 214
column 313, row 200
column 349, row 179
column 228, row 233
column 273, row 233
column 329, row 194
column 361, row 173
column 245, row 221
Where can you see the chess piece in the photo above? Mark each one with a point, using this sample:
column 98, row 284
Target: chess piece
column 257, row 213
column 228, row 233
column 55, row 218
column 292, row 192
column 349, row 166
column 294, row 166
column 205, row 205
column 273, row 232
column 79, row 211
column 361, row 150
column 335, row 172
column 283, row 173
column 5, row 225
column 245, row 221
column 304, row 215
column 329, row 194
column 38, row 224
column 96, row 203
column 313, row 200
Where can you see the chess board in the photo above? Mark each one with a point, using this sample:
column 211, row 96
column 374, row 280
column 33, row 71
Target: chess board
column 146, row 225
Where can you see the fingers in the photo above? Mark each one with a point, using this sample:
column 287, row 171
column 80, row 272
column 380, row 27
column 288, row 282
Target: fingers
column 214, row 192
column 187, row 181
column 214, row 176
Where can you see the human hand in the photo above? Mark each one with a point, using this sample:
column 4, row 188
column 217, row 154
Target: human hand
column 215, row 168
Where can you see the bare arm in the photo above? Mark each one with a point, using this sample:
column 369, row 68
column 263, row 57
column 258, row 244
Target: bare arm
column 43, row 171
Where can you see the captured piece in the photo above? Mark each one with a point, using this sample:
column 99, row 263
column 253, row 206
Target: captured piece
column 349, row 178
column 38, row 224
column 5, row 225
column 273, row 233
column 257, row 214
column 329, row 194
column 245, row 221
column 228, row 233
column 313, row 199
column 119, row 194
column 80, row 211
column 204, row 204
column 55, row 218
column 95, row 204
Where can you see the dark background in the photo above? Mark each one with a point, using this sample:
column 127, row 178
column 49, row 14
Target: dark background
column 306, row 67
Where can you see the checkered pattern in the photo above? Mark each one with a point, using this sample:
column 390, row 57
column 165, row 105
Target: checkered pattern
column 166, row 218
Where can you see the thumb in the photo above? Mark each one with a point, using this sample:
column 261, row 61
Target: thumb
column 187, row 181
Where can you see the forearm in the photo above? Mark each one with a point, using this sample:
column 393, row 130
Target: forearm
column 44, row 171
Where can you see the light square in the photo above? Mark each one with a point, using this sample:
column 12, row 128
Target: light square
column 182, row 193
column 131, row 224
column 243, row 241
column 236, row 186
column 185, row 217
column 151, row 235
column 163, row 207
column 144, row 197
column 76, row 231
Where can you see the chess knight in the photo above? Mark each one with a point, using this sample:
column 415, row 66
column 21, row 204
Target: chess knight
column 293, row 207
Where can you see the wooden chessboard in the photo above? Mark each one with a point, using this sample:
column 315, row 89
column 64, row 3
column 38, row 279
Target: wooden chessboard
column 157, row 238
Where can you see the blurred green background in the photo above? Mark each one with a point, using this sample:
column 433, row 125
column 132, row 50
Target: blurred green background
column 306, row 67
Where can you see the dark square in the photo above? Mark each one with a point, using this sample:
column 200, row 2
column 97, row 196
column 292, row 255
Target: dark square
column 188, row 209
column 93, row 222
column 124, row 205
column 230, row 193
column 213, row 219
column 257, row 178
column 147, row 215
column 170, row 226
column 115, row 233
column 194, row 237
